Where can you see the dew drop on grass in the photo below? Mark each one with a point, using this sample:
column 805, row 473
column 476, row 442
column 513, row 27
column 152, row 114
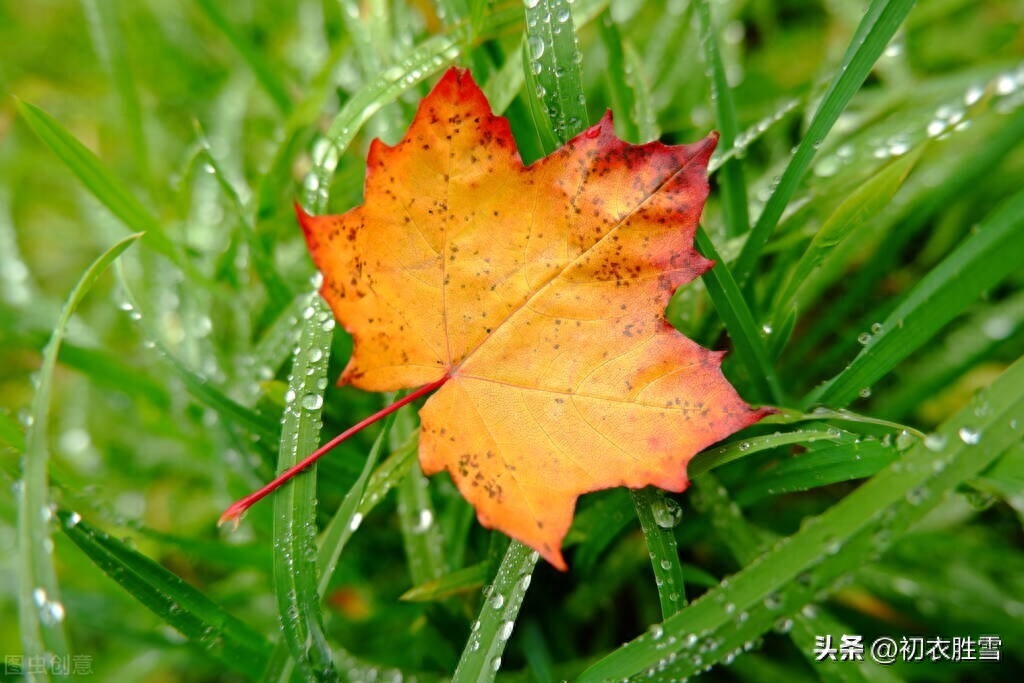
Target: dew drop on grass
column 506, row 630
column 935, row 442
column 312, row 401
column 498, row 601
column 666, row 513
column 535, row 44
column 969, row 435
column 356, row 520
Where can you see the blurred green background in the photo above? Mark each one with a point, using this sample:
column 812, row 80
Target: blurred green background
column 214, row 117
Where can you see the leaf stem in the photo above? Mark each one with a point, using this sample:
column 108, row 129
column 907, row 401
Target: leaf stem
column 239, row 507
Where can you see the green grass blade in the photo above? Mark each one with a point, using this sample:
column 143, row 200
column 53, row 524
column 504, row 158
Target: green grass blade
column 659, row 515
column 41, row 614
column 553, row 60
column 731, row 183
column 880, row 23
column 186, row 609
column 863, row 204
column 864, row 524
column 492, row 629
column 295, row 557
column 100, row 182
column 978, row 264
column 421, row 536
column 620, row 90
column 458, row 581
column 721, row 455
column 961, row 350
column 732, row 307
column 266, row 75
column 368, row 490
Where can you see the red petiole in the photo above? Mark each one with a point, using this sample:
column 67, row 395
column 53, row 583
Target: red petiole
column 238, row 508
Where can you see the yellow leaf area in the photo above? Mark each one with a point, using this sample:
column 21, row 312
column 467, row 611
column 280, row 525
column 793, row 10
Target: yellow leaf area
column 539, row 292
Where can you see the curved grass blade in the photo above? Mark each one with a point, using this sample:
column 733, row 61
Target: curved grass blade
column 481, row 659
column 882, row 19
column 979, row 263
column 103, row 185
column 183, row 607
column 721, row 455
column 863, row 204
column 295, row 557
column 659, row 515
column 41, row 613
column 863, row 525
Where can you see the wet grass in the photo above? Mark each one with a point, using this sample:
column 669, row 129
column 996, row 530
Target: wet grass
column 865, row 219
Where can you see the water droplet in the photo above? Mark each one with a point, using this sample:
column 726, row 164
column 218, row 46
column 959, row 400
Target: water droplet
column 865, row 392
column 536, row 67
column 506, row 630
column 863, row 338
column 969, row 435
column 666, row 513
column 498, row 601
column 656, row 631
column 423, row 522
column 935, row 442
column 73, row 520
column 496, row 663
column 356, row 520
column 312, row 401
column 530, row 4
column 563, row 14
column 535, row 45
column 783, row 626
column 327, row 325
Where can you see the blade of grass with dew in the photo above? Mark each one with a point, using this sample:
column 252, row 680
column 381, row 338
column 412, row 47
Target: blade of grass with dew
column 40, row 611
column 862, row 525
column 659, row 515
column 295, row 556
column 104, row 186
column 822, row 466
column 857, row 210
column 732, row 307
column 266, row 75
column 960, row 173
column 105, row 30
column 880, row 23
column 492, row 629
column 184, row 608
column 358, row 501
column 979, row 263
column 962, row 350
column 735, row 450
column 553, row 68
column 731, row 183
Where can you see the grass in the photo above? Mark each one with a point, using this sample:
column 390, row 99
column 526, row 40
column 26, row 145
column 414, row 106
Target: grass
column 865, row 220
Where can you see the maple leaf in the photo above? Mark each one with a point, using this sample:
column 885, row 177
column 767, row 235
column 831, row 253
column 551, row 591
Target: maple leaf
column 534, row 297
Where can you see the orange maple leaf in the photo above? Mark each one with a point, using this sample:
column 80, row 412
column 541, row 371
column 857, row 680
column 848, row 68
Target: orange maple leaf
column 534, row 297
